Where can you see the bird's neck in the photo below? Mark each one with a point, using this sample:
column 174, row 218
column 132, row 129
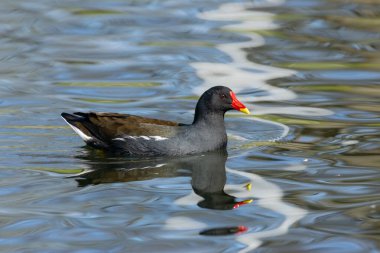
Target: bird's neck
column 208, row 118
column 208, row 128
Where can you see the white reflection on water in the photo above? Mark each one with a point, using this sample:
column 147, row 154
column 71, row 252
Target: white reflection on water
column 241, row 74
column 268, row 194
column 295, row 110
column 270, row 197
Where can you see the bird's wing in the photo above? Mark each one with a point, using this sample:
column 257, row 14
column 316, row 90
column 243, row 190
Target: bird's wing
column 106, row 127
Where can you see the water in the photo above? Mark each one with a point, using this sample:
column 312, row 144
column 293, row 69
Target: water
column 302, row 172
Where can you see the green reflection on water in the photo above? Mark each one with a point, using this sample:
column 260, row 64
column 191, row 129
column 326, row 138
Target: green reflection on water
column 178, row 44
column 95, row 12
column 108, row 84
column 329, row 65
column 59, row 170
column 106, row 101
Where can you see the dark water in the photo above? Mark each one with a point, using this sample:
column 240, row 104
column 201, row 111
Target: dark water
column 302, row 172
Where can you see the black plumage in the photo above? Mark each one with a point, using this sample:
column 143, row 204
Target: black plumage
column 135, row 136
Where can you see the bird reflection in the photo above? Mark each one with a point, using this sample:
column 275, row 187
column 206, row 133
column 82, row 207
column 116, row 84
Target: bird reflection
column 207, row 171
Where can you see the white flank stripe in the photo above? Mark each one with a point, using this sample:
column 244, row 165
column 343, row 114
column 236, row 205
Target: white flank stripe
column 155, row 138
column 118, row 139
column 158, row 138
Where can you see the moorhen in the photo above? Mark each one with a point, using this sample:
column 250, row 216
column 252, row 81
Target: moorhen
column 139, row 136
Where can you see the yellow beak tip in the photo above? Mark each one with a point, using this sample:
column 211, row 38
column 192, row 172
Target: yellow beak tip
column 245, row 110
column 248, row 201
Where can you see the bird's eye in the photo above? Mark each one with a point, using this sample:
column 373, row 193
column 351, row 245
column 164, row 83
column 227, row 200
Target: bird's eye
column 223, row 96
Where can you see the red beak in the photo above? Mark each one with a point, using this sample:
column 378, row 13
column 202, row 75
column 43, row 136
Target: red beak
column 244, row 202
column 237, row 105
column 242, row 229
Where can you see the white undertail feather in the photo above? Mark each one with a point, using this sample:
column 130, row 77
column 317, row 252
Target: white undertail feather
column 79, row 132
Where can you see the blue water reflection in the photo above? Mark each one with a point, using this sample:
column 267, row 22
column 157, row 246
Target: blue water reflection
column 308, row 70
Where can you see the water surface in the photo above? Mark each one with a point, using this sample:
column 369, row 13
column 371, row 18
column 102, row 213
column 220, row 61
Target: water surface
column 301, row 174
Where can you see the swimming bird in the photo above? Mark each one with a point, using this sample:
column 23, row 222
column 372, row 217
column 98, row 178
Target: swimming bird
column 140, row 136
